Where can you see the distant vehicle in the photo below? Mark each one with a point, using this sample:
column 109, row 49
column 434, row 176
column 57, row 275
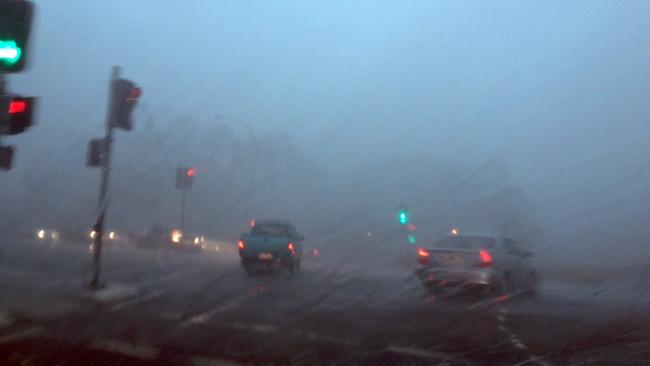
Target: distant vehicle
column 156, row 237
column 484, row 264
column 47, row 235
column 311, row 252
column 270, row 243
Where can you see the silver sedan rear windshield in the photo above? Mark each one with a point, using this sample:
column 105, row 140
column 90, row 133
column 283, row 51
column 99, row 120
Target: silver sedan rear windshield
column 465, row 242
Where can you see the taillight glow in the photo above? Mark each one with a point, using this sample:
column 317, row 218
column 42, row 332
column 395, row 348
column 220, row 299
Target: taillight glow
column 423, row 253
column 486, row 257
column 291, row 247
column 241, row 244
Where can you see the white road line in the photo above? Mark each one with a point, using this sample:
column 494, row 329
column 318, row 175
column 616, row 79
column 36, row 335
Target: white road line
column 521, row 346
column 20, row 335
column 206, row 316
column 516, row 342
column 144, row 352
column 115, row 293
column 170, row 277
column 137, row 300
column 419, row 352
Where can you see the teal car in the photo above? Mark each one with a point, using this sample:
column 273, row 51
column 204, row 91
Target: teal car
column 270, row 244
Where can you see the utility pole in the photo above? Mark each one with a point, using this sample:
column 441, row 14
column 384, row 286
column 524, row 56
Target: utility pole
column 103, row 189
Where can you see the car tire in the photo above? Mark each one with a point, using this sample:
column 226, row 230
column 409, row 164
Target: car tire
column 247, row 268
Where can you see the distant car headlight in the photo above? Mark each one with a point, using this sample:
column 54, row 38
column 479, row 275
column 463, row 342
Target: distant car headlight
column 111, row 235
column 197, row 240
column 177, row 236
column 93, row 234
column 54, row 235
column 41, row 234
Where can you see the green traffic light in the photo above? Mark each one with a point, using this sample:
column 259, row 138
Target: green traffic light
column 403, row 218
column 412, row 239
column 9, row 52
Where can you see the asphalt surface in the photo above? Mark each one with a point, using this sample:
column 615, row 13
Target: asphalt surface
column 168, row 307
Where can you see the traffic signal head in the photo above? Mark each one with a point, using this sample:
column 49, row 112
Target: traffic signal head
column 124, row 97
column 96, row 152
column 184, row 177
column 403, row 217
column 6, row 157
column 15, row 24
column 19, row 114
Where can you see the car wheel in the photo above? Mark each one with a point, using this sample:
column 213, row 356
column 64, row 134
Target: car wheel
column 247, row 268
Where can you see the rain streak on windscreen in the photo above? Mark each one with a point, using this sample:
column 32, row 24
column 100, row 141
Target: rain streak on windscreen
column 391, row 148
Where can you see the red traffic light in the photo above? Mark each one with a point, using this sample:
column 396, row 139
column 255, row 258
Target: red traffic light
column 17, row 106
column 19, row 114
column 191, row 172
column 134, row 94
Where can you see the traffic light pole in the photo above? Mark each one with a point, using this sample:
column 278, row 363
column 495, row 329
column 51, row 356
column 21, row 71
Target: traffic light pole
column 183, row 215
column 103, row 189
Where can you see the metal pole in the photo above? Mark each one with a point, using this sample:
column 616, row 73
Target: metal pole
column 183, row 216
column 4, row 112
column 103, row 189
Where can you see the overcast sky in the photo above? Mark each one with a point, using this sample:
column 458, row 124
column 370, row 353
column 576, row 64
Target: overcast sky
column 557, row 90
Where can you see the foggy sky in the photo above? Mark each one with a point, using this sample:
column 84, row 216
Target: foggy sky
column 557, row 91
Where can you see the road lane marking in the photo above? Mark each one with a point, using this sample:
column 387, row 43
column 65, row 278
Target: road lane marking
column 21, row 334
column 170, row 277
column 144, row 352
column 206, row 316
column 410, row 351
column 516, row 342
column 137, row 300
column 115, row 293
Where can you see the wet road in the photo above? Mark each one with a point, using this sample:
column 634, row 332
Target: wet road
column 181, row 308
